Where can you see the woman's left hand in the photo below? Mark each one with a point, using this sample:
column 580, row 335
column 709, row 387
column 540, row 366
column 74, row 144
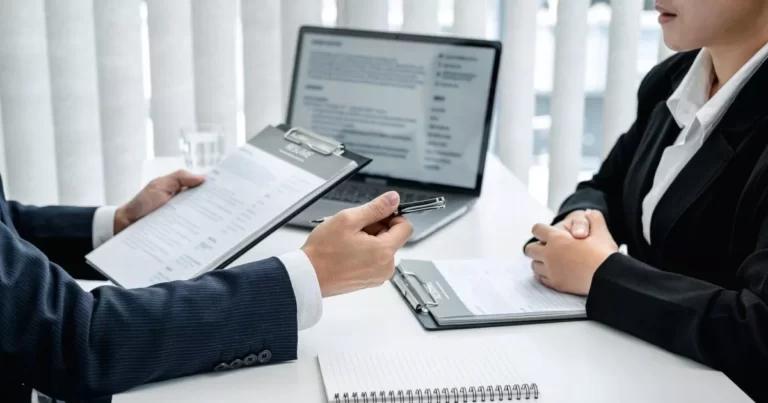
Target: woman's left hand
column 567, row 264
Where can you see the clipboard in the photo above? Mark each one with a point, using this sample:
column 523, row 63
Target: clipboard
column 321, row 145
column 131, row 260
column 414, row 288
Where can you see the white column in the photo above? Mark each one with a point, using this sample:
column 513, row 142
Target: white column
column 75, row 97
column 365, row 14
column 214, row 23
column 469, row 16
column 567, row 109
column 294, row 14
column 420, row 16
column 517, row 97
column 170, row 57
column 123, row 105
column 262, row 64
column 620, row 102
column 26, row 92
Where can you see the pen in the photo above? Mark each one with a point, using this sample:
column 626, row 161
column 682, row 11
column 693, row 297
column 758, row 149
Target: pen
column 407, row 208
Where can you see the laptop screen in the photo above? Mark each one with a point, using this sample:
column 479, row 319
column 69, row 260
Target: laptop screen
column 418, row 109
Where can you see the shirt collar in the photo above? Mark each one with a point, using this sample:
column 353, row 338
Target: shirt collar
column 693, row 92
column 691, row 98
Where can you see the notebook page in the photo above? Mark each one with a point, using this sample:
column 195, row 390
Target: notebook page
column 377, row 371
column 503, row 287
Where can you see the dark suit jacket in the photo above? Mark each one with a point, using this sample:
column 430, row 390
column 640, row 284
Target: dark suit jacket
column 701, row 288
column 71, row 344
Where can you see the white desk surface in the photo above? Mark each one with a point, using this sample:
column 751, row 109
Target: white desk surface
column 579, row 361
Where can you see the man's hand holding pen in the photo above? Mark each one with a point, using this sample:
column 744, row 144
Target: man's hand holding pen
column 355, row 248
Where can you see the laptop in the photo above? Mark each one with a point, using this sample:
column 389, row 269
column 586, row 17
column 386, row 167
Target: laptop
column 419, row 106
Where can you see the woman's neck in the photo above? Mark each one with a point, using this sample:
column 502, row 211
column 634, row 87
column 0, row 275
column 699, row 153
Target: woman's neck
column 730, row 57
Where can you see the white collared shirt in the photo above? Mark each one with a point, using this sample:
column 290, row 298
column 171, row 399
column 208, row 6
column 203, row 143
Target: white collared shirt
column 306, row 289
column 697, row 115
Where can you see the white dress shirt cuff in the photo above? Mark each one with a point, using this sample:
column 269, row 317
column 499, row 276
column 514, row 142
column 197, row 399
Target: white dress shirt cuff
column 103, row 225
column 309, row 299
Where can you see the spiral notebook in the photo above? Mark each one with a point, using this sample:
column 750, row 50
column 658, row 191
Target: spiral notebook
column 439, row 376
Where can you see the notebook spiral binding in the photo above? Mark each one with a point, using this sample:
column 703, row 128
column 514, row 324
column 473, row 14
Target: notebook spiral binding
column 471, row 394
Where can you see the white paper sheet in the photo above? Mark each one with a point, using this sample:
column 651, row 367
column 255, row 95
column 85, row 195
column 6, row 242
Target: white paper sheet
column 500, row 287
column 245, row 192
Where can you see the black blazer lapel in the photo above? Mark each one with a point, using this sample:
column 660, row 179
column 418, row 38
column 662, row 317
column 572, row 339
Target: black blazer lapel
column 662, row 130
column 689, row 184
column 740, row 122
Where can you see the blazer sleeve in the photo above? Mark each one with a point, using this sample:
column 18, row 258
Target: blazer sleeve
column 604, row 191
column 64, row 234
column 724, row 329
column 71, row 344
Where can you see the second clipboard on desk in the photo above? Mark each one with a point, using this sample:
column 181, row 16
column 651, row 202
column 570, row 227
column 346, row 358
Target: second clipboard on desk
column 452, row 294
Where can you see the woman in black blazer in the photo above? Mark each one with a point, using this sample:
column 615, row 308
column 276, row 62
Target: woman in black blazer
column 686, row 189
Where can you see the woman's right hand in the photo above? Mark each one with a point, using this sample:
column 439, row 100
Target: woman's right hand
column 576, row 223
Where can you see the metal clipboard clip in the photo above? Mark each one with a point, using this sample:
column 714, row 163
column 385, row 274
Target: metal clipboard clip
column 411, row 294
column 320, row 144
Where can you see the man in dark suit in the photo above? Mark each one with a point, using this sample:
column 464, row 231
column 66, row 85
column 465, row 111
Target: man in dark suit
column 72, row 344
column 686, row 189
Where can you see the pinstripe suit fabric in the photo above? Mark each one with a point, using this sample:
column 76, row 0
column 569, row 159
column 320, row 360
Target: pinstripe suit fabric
column 71, row 344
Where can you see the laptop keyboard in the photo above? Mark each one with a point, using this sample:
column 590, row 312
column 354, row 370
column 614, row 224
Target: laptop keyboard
column 358, row 194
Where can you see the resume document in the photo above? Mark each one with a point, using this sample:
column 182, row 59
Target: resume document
column 199, row 228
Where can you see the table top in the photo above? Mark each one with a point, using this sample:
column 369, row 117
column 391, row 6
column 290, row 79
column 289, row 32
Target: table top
column 570, row 361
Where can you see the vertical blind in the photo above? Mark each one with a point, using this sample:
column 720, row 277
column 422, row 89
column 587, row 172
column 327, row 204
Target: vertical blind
column 620, row 99
column 74, row 100
column 25, row 89
column 516, row 86
column 172, row 72
column 213, row 26
column 261, row 63
column 74, row 115
column 567, row 99
column 369, row 14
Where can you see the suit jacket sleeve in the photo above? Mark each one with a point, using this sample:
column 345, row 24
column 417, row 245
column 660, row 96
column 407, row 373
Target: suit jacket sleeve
column 72, row 344
column 724, row 329
column 64, row 234
column 604, row 191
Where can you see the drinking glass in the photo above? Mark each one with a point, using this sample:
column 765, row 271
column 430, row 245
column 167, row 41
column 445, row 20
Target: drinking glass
column 202, row 147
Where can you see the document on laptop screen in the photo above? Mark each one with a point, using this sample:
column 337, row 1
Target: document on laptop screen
column 418, row 109
column 183, row 238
